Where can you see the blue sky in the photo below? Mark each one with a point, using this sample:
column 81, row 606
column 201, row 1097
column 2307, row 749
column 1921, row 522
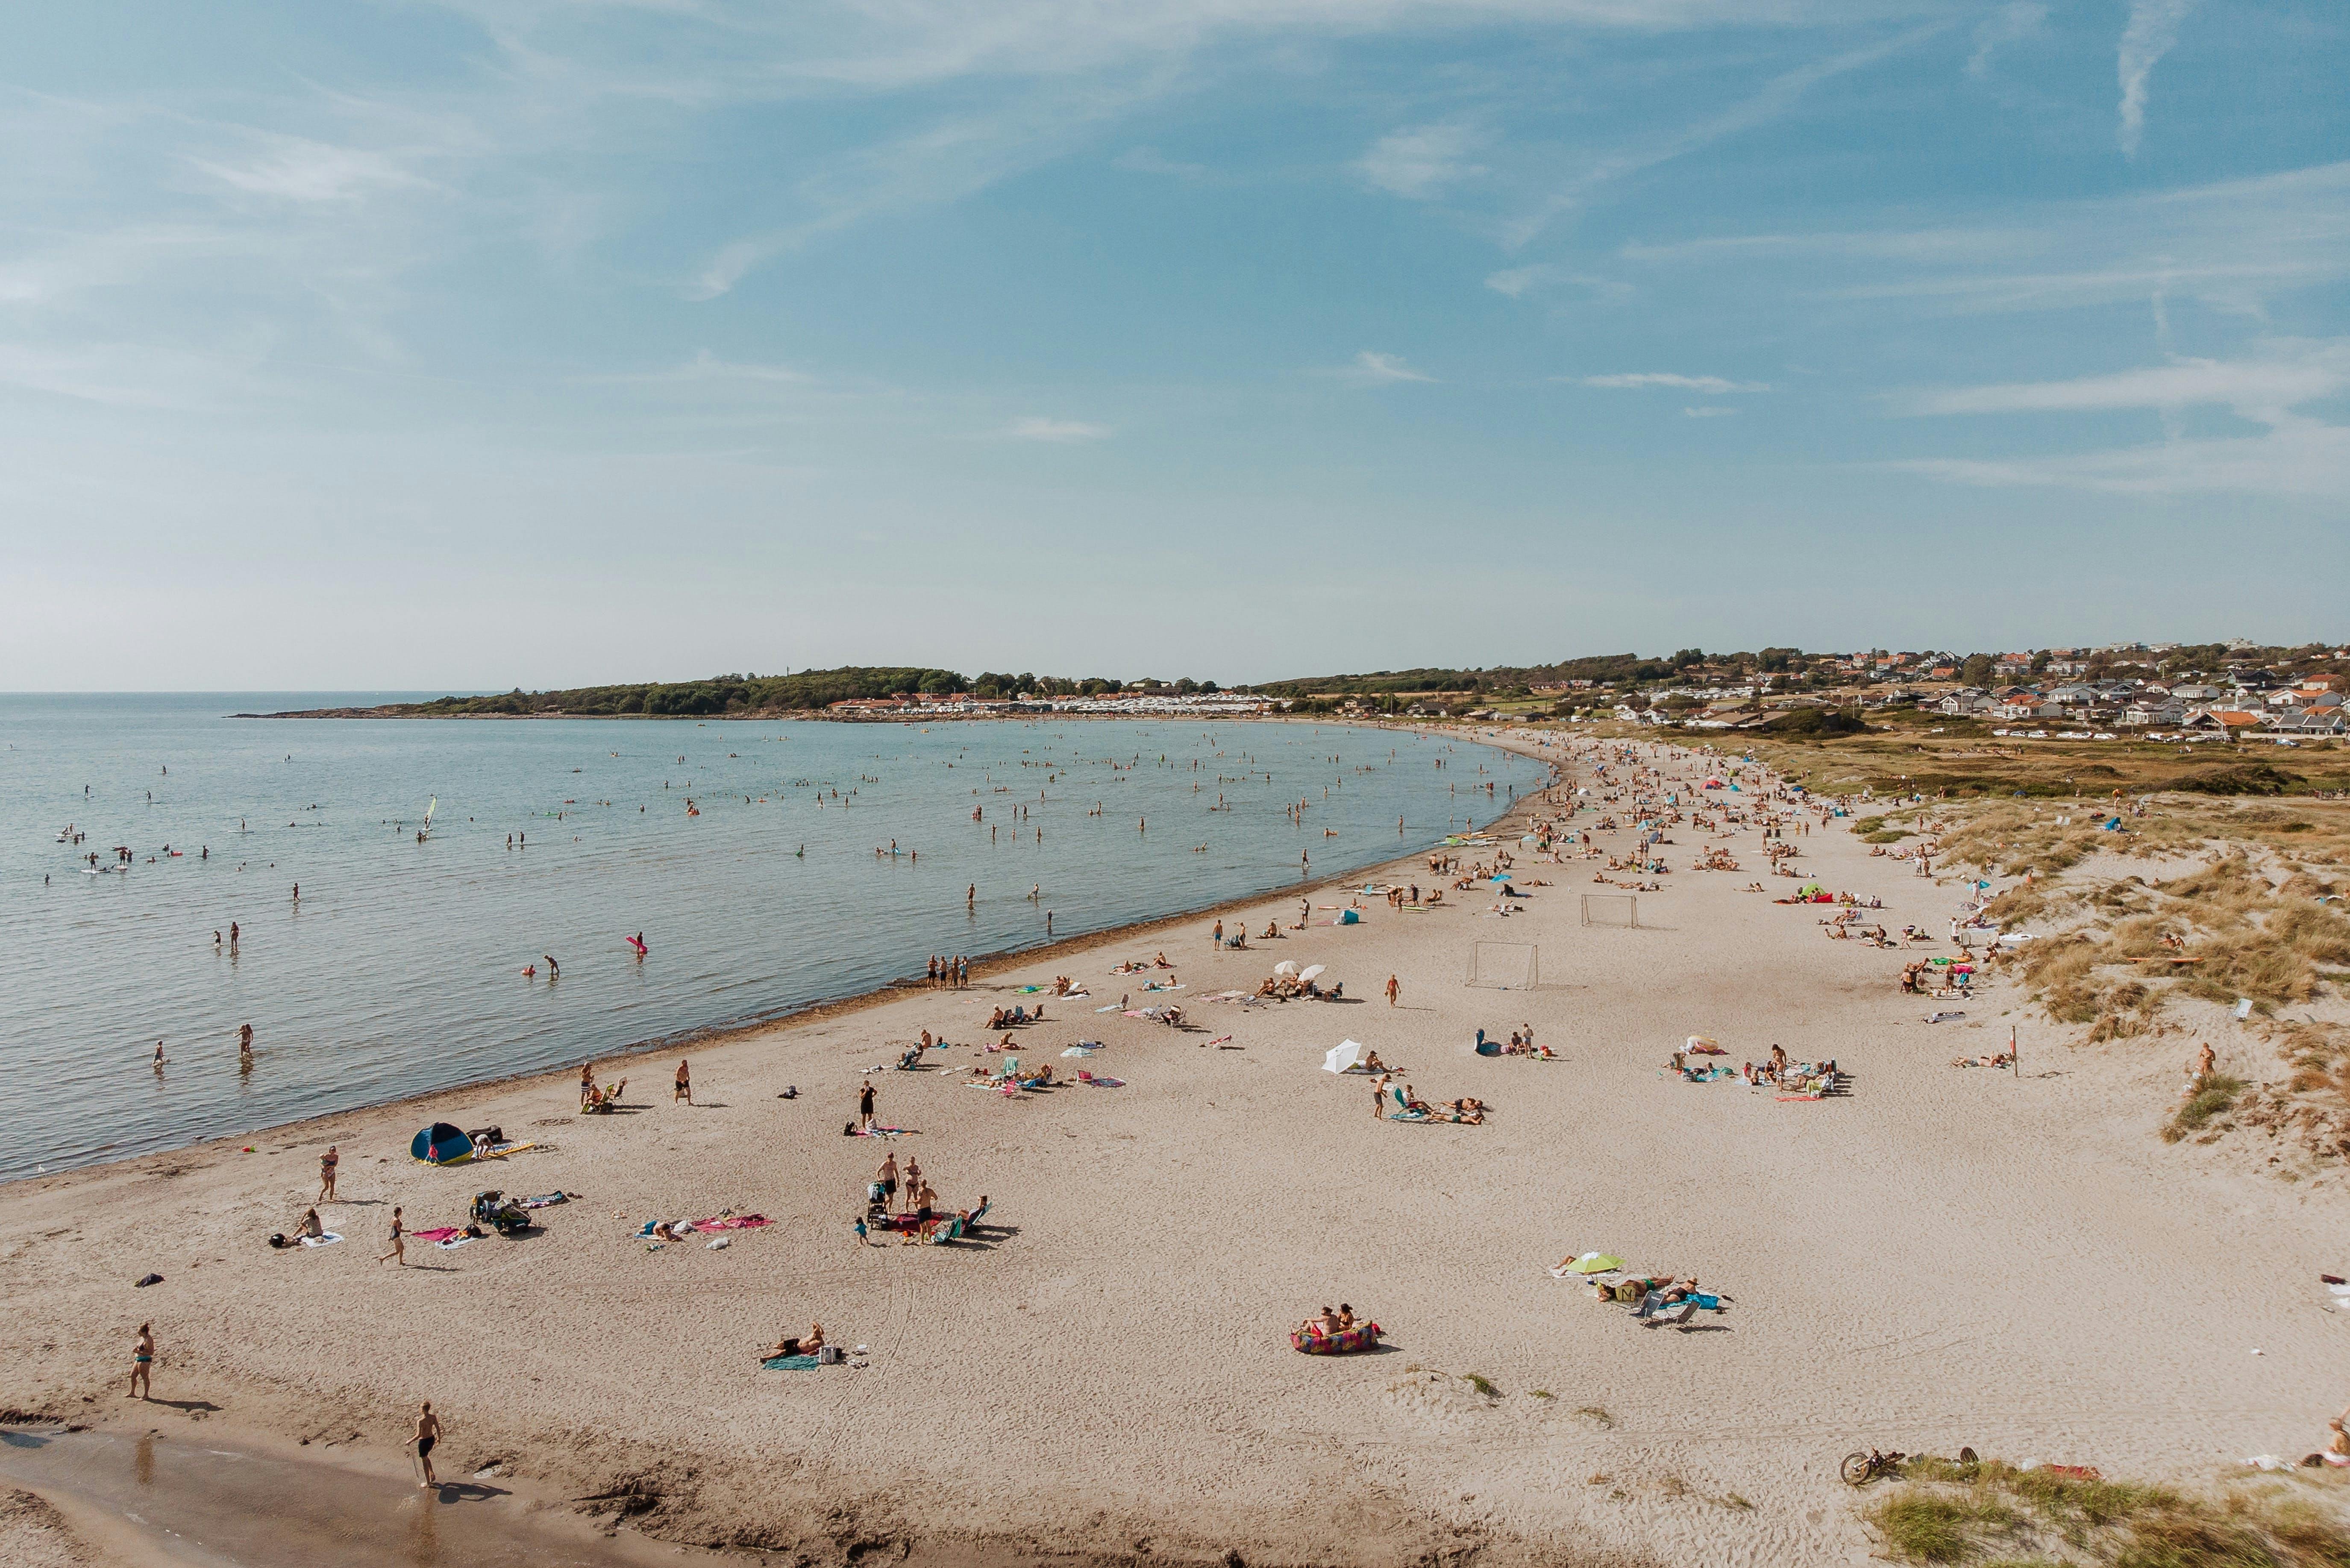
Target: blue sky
column 555, row 341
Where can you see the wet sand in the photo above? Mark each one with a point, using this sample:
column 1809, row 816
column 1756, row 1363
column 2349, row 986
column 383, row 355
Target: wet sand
column 1943, row 1257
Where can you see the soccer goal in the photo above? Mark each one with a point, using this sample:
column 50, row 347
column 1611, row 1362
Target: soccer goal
column 1610, row 909
column 1505, row 966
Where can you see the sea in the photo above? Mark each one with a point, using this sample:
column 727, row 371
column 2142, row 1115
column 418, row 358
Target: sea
column 446, row 870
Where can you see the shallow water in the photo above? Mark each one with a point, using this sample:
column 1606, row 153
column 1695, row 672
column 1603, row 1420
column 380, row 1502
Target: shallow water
column 199, row 1505
column 400, row 969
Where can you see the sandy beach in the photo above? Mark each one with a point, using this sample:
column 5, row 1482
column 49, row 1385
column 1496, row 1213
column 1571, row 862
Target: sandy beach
column 1940, row 1257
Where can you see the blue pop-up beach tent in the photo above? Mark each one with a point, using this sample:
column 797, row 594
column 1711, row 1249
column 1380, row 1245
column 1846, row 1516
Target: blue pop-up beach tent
column 440, row 1144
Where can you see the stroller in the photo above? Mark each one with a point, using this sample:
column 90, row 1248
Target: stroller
column 500, row 1213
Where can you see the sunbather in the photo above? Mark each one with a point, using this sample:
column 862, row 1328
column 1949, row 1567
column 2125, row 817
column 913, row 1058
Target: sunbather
column 807, row 1346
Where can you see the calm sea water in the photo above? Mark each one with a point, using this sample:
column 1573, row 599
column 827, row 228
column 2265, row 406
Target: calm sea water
column 400, row 969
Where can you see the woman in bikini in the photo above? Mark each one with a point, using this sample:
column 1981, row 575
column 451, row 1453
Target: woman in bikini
column 398, row 1246
column 142, row 1364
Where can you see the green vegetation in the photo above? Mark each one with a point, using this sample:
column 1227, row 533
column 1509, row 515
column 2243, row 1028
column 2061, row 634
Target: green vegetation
column 1992, row 1515
column 809, row 691
column 1482, row 1383
column 2215, row 1095
column 1818, row 722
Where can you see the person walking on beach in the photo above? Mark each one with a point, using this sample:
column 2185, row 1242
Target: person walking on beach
column 142, row 1364
column 862, row 1235
column 1395, row 990
column 399, row 1245
column 684, row 1090
column 427, row 1432
column 327, row 1163
column 865, row 1110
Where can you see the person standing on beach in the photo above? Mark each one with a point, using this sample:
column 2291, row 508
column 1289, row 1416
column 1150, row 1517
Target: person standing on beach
column 865, row 1110
column 1216, row 937
column 399, row 1245
column 427, row 1432
column 1380, row 1098
column 684, row 1090
column 327, row 1163
column 1395, row 988
column 887, row 1177
column 142, row 1364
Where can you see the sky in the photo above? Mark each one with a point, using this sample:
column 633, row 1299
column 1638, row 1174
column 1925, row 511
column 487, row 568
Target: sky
column 482, row 343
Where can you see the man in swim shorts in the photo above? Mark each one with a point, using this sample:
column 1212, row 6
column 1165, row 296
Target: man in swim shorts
column 427, row 1432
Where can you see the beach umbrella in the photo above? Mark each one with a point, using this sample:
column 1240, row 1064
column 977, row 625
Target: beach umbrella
column 1347, row 1054
column 1594, row 1263
column 1286, row 966
column 1311, row 970
column 1702, row 1041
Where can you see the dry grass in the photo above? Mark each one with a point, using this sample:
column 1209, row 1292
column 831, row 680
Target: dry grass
column 1991, row 1514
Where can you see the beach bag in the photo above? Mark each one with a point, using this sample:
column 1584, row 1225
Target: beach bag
column 828, row 1356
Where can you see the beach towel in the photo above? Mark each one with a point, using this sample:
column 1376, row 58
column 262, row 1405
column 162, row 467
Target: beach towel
column 453, row 1243
column 789, row 1363
column 1100, row 1082
column 733, row 1222
column 438, row 1233
column 881, row 1132
column 327, row 1239
column 548, row 1202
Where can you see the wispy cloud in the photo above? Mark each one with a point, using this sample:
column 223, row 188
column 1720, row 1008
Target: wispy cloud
column 1037, row 427
column 1708, row 412
column 1147, row 160
column 1715, row 385
column 2231, row 244
column 1771, row 100
column 2300, row 460
column 1517, row 282
column 706, row 366
column 2011, row 23
column 1373, row 368
column 1420, row 162
column 2153, row 30
column 293, row 169
column 2297, row 456
column 2286, row 374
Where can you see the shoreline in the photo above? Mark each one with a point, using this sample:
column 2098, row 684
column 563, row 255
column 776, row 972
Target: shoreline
column 710, row 1036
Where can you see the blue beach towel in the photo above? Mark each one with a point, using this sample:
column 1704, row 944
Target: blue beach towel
column 789, row 1363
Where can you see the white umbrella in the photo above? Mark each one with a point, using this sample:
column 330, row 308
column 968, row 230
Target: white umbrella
column 1286, row 966
column 1310, row 971
column 1349, row 1054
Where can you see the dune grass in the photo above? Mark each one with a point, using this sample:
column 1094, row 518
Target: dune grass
column 1992, row 1515
column 2216, row 1096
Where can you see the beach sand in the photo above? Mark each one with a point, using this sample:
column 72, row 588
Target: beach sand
column 1944, row 1257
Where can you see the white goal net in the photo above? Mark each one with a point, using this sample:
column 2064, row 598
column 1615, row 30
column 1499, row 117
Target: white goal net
column 1610, row 909
column 1505, row 966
